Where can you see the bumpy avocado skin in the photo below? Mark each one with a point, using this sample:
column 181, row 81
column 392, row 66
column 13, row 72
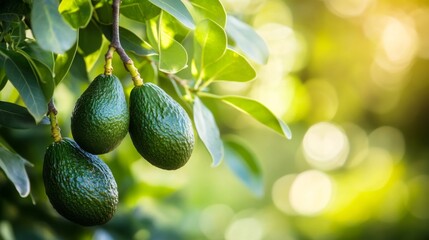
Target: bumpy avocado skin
column 79, row 185
column 160, row 128
column 100, row 118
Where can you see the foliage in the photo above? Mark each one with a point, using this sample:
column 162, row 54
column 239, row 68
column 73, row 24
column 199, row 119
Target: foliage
column 191, row 44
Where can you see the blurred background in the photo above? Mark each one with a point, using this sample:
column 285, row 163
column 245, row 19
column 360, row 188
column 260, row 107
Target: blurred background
column 350, row 77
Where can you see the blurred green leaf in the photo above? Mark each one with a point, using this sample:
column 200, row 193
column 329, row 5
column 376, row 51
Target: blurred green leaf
column 256, row 110
column 208, row 131
column 90, row 39
column 15, row 116
column 78, row 71
column 247, row 40
column 51, row 31
column 9, row 17
column 25, row 80
column 210, row 43
column 172, row 55
column 63, row 63
column 14, row 167
column 103, row 13
column 230, row 67
column 76, row 12
column 177, row 9
column 149, row 72
column 208, row 9
column 139, row 10
column 3, row 76
column 244, row 165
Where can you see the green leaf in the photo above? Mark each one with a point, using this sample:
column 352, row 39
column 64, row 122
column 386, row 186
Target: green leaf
column 247, row 40
column 3, row 76
column 149, row 71
column 208, row 131
column 25, row 80
column 15, row 116
column 244, row 165
column 44, row 73
column 208, row 9
column 256, row 110
column 130, row 41
column 49, row 28
column 90, row 39
column 230, row 67
column 210, row 43
column 77, row 72
column 76, row 12
column 63, row 63
column 14, row 167
column 172, row 55
column 103, row 13
column 139, row 10
column 177, row 9
column 37, row 53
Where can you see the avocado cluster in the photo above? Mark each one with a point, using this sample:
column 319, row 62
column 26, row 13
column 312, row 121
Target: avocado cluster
column 78, row 183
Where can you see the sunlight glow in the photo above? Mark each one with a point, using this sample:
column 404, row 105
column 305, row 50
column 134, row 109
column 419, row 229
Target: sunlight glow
column 311, row 192
column 325, row 146
column 214, row 220
column 348, row 8
column 280, row 193
column 245, row 229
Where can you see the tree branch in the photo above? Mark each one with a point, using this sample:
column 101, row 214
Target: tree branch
column 115, row 45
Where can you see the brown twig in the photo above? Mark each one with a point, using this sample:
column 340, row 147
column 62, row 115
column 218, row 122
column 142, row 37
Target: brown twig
column 115, row 45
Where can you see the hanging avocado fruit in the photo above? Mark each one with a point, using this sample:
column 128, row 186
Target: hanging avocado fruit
column 100, row 118
column 159, row 127
column 79, row 185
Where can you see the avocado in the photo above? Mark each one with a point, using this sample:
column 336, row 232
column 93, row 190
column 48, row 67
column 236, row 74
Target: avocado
column 160, row 128
column 79, row 185
column 100, row 118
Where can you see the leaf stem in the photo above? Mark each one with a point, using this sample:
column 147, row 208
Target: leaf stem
column 115, row 45
column 55, row 129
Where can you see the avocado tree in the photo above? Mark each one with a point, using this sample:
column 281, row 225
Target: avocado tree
column 181, row 50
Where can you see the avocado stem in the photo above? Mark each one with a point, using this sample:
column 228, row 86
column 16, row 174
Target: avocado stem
column 115, row 45
column 108, row 66
column 55, row 129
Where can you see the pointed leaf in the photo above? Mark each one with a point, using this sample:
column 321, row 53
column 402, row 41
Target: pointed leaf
column 90, row 39
column 37, row 53
column 63, row 63
column 256, row 110
column 14, row 167
column 15, row 116
column 20, row 73
column 244, row 165
column 177, row 9
column 247, row 40
column 76, row 12
column 208, row 131
column 230, row 67
column 49, row 28
column 210, row 43
column 139, row 10
column 208, row 9
column 172, row 55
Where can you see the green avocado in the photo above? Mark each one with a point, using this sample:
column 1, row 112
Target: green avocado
column 79, row 185
column 100, row 118
column 160, row 128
